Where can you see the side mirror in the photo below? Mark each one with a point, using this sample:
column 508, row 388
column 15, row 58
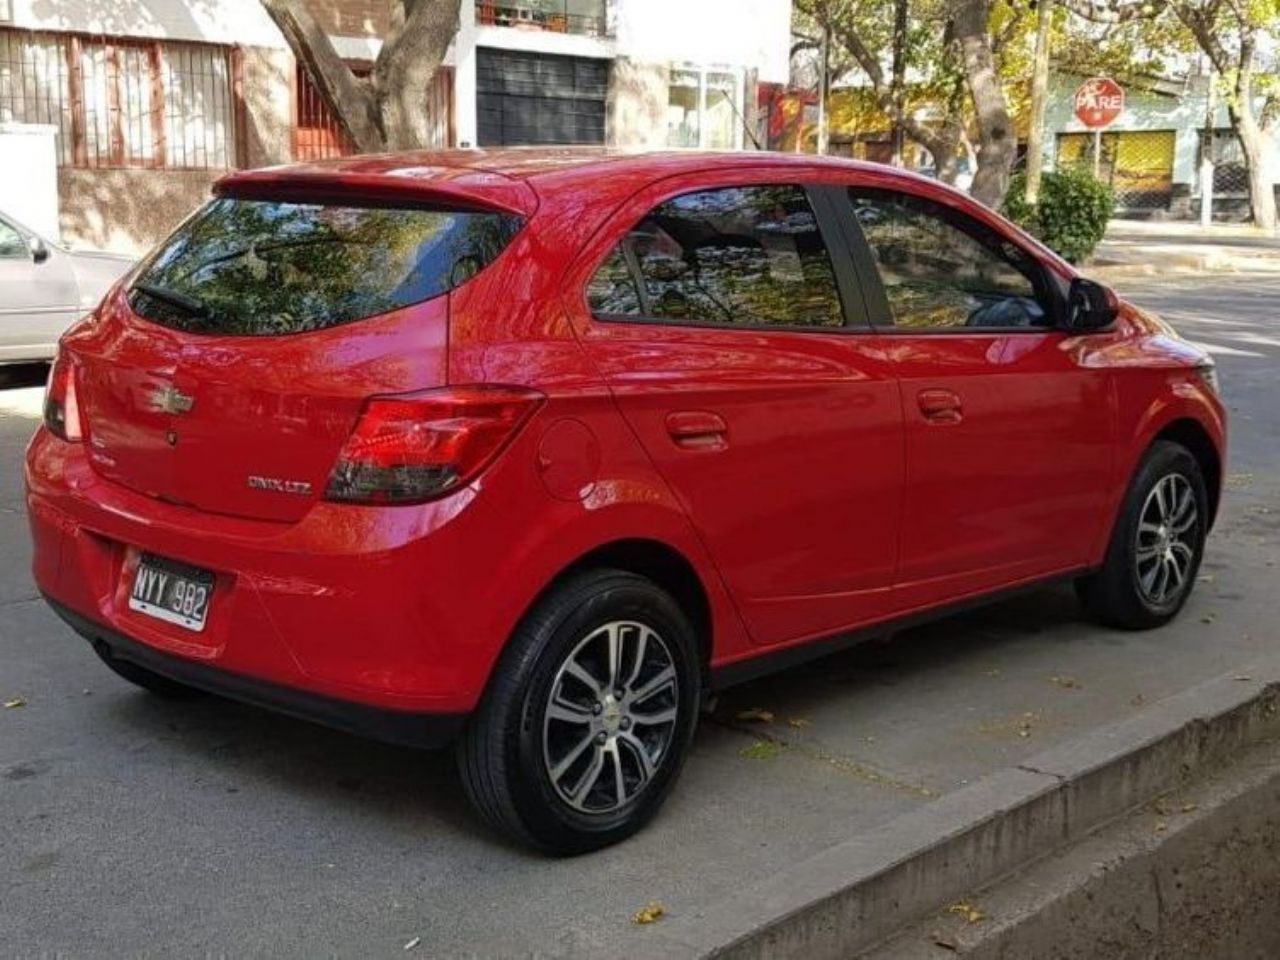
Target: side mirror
column 39, row 249
column 1090, row 305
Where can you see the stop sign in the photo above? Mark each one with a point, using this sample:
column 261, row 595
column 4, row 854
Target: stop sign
column 1098, row 102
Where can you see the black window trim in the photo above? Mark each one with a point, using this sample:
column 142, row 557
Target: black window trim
column 853, row 309
column 880, row 314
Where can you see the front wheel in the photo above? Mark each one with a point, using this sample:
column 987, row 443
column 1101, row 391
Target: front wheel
column 1157, row 544
column 589, row 715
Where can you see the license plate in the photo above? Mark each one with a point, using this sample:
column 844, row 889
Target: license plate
column 171, row 591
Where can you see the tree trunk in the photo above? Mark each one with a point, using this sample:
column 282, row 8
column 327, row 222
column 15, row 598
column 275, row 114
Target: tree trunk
column 1254, row 140
column 996, row 144
column 1257, row 148
column 1039, row 94
column 387, row 111
column 900, row 79
column 420, row 33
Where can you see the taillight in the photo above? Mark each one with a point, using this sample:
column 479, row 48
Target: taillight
column 418, row 446
column 61, row 411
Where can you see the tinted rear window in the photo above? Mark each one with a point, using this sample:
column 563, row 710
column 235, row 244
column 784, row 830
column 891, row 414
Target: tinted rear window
column 262, row 268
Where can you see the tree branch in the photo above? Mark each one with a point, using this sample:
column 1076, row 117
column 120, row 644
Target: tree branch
column 1116, row 11
column 415, row 45
column 348, row 96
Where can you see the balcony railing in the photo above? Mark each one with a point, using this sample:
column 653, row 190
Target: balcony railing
column 556, row 16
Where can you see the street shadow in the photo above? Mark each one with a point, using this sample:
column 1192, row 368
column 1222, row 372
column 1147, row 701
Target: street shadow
column 418, row 791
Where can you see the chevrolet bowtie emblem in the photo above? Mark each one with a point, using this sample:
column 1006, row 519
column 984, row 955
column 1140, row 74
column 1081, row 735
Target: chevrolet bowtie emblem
column 169, row 399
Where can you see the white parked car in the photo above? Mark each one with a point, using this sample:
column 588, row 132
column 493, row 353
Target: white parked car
column 44, row 288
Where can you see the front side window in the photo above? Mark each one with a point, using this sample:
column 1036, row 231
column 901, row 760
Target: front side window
column 258, row 267
column 942, row 270
column 11, row 242
column 732, row 256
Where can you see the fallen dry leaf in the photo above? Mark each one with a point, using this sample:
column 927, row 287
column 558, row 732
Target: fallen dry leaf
column 413, row 943
column 757, row 715
column 14, row 703
column 1067, row 683
column 944, row 943
column 967, row 910
column 1190, row 807
column 1161, row 827
column 650, row 914
column 1208, row 618
column 797, row 722
column 1242, row 679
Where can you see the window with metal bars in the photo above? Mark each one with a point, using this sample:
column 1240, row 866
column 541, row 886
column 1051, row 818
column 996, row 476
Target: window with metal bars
column 318, row 133
column 123, row 102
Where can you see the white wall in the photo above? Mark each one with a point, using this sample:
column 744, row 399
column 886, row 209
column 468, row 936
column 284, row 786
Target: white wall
column 213, row 21
column 737, row 33
column 29, row 187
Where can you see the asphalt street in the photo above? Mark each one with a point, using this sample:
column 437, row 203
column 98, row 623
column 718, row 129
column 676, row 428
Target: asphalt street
column 130, row 825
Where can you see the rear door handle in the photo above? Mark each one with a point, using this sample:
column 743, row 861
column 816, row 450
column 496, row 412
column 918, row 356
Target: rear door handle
column 697, row 429
column 940, row 406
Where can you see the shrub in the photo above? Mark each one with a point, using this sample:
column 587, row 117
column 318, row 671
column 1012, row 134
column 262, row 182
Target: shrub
column 1072, row 214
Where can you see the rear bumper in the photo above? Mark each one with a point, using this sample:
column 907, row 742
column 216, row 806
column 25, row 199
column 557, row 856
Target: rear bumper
column 389, row 726
column 354, row 609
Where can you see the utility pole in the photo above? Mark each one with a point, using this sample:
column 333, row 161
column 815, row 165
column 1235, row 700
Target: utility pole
column 900, row 80
column 824, row 83
column 1039, row 96
column 1206, row 154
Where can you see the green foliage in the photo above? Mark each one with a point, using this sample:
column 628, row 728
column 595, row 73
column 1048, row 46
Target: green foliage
column 1071, row 217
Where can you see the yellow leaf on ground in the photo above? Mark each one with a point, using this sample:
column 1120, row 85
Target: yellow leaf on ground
column 650, row 914
column 15, row 702
column 757, row 714
column 967, row 910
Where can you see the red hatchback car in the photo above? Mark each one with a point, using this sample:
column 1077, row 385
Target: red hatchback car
column 531, row 450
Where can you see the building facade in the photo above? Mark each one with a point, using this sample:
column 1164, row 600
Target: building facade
column 1152, row 154
column 153, row 100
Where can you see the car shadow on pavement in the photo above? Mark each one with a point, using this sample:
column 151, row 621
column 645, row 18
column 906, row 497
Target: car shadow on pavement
column 248, row 749
column 418, row 793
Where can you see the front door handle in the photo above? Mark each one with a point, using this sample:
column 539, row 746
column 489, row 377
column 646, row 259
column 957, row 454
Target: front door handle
column 698, row 429
column 940, row 406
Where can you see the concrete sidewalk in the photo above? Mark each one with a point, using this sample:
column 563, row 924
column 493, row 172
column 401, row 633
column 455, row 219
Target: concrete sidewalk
column 1138, row 247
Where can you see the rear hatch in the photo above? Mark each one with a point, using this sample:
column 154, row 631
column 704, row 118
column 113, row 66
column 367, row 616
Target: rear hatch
column 229, row 371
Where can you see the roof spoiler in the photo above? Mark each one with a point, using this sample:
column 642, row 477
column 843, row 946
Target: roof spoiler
column 439, row 187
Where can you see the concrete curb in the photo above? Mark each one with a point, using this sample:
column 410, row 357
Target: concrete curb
column 856, row 894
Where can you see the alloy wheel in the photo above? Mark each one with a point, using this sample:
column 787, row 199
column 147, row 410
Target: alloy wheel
column 610, row 717
column 1165, row 552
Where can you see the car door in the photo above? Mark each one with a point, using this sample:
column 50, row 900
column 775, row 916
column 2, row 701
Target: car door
column 38, row 296
column 1008, row 434
column 732, row 347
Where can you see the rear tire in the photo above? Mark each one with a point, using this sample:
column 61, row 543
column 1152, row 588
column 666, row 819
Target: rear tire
column 1156, row 546
column 146, row 679
column 554, row 757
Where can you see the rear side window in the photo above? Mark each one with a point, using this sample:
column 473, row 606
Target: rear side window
column 262, row 268
column 739, row 255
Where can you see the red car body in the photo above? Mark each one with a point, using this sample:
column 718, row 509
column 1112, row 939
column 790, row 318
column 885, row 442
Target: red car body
column 792, row 489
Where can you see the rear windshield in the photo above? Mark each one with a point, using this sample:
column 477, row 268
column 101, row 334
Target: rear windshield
column 263, row 268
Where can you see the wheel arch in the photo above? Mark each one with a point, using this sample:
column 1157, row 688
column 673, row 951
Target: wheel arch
column 664, row 565
column 1189, row 433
